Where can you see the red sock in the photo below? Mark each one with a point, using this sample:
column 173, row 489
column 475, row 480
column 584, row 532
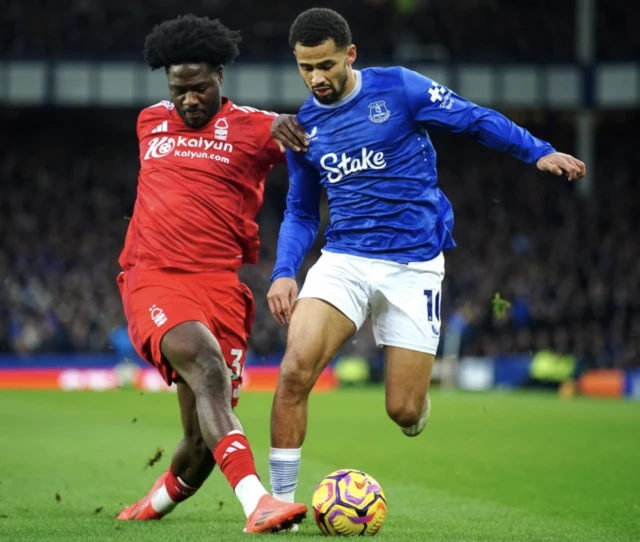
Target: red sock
column 233, row 456
column 178, row 491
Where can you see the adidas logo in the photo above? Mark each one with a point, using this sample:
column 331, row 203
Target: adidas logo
column 235, row 446
column 162, row 127
column 263, row 517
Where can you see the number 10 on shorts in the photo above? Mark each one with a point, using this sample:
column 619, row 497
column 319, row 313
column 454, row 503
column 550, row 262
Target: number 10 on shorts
column 433, row 304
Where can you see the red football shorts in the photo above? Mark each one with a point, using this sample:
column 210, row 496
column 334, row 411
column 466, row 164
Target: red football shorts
column 157, row 300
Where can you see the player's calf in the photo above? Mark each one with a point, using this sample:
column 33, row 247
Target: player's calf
column 298, row 373
column 288, row 425
column 193, row 461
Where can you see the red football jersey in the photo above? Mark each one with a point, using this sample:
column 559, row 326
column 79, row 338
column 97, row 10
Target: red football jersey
column 199, row 190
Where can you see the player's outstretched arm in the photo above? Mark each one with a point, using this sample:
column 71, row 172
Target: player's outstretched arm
column 297, row 234
column 434, row 105
column 289, row 133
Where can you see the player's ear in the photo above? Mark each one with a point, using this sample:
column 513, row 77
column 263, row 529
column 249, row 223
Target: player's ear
column 220, row 75
column 351, row 54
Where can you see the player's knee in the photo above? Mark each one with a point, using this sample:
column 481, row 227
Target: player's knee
column 211, row 365
column 195, row 354
column 403, row 413
column 205, row 367
column 297, row 376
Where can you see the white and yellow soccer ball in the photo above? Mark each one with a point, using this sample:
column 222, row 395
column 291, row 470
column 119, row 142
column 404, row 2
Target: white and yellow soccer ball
column 349, row 502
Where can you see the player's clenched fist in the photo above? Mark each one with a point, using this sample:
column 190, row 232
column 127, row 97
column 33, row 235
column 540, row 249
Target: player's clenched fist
column 281, row 297
column 559, row 163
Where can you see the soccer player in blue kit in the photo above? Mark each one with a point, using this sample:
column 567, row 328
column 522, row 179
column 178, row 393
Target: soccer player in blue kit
column 367, row 145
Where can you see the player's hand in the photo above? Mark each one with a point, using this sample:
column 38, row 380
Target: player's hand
column 288, row 132
column 281, row 297
column 559, row 163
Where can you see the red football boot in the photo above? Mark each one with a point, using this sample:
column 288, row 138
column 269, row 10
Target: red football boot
column 272, row 516
column 143, row 510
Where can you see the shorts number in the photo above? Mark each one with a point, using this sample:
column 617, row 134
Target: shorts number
column 236, row 367
column 433, row 305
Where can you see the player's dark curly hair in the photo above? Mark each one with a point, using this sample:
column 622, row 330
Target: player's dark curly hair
column 189, row 39
column 316, row 25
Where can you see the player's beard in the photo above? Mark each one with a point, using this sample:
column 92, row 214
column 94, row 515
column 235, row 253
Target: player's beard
column 206, row 111
column 198, row 121
column 335, row 94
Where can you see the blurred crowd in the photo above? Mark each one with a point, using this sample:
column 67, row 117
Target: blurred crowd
column 567, row 264
column 405, row 30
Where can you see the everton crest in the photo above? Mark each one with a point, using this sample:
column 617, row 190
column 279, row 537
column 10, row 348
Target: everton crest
column 378, row 111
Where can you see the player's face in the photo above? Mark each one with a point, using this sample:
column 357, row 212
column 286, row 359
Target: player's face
column 327, row 70
column 195, row 91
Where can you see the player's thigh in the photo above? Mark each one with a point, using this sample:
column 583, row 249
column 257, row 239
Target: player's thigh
column 316, row 333
column 340, row 280
column 407, row 378
column 158, row 308
column 406, row 306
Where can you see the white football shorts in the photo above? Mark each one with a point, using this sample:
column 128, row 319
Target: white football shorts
column 403, row 299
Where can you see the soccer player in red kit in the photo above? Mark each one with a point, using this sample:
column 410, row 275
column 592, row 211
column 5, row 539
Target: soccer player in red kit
column 203, row 163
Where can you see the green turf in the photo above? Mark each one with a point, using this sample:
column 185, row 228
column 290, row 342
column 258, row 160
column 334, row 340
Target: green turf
column 490, row 466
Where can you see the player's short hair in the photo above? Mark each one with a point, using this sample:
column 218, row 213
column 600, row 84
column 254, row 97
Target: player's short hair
column 317, row 25
column 188, row 39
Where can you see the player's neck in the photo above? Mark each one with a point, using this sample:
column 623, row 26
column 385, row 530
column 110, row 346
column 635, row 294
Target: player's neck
column 223, row 102
column 351, row 83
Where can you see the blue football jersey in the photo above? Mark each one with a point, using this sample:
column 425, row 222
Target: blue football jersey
column 372, row 154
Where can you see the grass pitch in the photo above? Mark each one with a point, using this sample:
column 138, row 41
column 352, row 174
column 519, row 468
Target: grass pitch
column 489, row 467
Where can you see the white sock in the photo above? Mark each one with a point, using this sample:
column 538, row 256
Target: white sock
column 161, row 501
column 284, row 464
column 249, row 491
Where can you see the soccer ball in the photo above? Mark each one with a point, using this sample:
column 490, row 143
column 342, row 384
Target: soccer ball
column 348, row 503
